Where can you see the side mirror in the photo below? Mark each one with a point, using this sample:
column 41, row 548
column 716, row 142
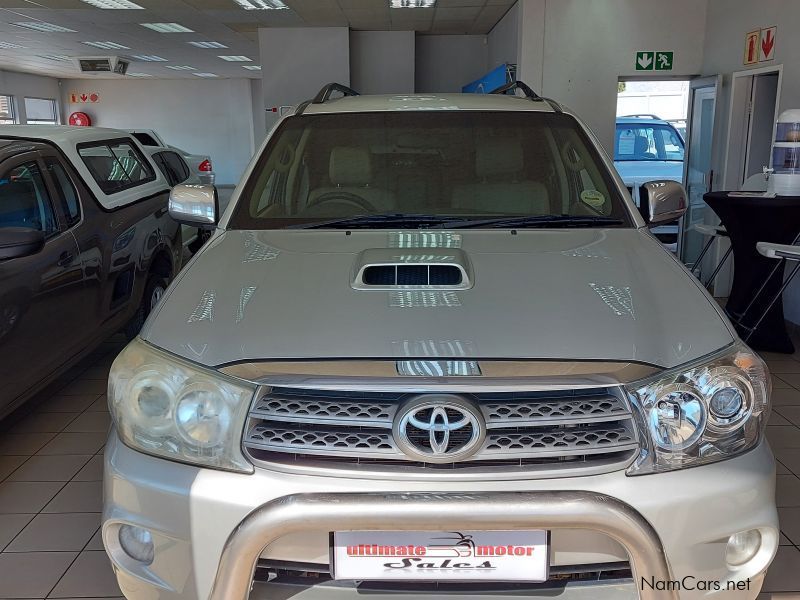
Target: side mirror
column 16, row 242
column 666, row 201
column 195, row 205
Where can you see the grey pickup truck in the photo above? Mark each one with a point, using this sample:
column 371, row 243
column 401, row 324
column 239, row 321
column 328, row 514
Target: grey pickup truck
column 86, row 248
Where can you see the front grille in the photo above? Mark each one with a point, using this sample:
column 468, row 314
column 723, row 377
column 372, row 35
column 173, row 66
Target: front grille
column 524, row 430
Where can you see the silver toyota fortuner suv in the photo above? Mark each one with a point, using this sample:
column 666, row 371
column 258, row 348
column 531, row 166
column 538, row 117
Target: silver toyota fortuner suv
column 431, row 350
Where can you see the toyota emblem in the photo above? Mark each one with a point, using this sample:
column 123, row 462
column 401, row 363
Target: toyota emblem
column 439, row 428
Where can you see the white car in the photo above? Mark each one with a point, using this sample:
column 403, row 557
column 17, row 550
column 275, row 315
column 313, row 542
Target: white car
column 200, row 164
column 433, row 351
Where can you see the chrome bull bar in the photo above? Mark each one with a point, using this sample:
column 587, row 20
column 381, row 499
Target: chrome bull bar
column 432, row 512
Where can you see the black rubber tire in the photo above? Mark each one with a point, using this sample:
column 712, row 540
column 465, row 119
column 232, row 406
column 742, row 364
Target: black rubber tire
column 153, row 290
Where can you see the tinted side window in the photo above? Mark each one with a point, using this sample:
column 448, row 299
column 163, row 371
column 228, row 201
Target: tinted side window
column 158, row 158
column 66, row 190
column 115, row 165
column 177, row 166
column 24, row 201
column 145, row 138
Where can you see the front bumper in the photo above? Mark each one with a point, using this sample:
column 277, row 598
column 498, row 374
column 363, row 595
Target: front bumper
column 210, row 527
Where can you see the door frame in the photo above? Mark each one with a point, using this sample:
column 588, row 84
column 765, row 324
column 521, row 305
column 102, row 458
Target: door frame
column 736, row 79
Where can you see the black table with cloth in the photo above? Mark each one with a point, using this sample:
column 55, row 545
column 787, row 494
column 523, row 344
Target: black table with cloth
column 749, row 220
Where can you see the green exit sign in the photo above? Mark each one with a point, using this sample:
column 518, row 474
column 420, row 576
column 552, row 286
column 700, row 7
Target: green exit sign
column 650, row 60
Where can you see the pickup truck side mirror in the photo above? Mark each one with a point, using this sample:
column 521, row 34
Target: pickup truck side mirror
column 194, row 205
column 666, row 201
column 16, row 242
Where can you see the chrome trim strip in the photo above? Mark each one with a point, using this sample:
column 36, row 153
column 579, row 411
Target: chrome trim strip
column 420, row 511
column 497, row 375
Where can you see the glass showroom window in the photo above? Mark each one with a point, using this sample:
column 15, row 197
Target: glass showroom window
column 7, row 116
column 41, row 111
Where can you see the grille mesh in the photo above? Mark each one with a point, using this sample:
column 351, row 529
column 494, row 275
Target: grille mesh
column 560, row 429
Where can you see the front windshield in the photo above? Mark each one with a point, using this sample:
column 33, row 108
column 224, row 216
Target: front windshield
column 435, row 167
column 647, row 141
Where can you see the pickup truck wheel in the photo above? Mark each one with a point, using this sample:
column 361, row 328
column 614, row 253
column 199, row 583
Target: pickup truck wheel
column 153, row 291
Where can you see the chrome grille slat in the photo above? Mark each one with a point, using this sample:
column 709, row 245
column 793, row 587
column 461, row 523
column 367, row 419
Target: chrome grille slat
column 561, row 428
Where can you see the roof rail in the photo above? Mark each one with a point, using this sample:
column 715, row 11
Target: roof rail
column 517, row 85
column 640, row 116
column 326, row 92
column 529, row 93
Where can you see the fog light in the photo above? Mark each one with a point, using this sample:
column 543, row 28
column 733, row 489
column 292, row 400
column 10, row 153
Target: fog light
column 742, row 547
column 137, row 543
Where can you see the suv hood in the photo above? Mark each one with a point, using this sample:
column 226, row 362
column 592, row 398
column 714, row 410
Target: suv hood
column 570, row 294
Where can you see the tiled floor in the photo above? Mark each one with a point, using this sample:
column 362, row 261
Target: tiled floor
column 51, row 495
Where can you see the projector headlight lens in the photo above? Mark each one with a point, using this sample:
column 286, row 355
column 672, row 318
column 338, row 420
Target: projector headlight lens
column 703, row 412
column 168, row 407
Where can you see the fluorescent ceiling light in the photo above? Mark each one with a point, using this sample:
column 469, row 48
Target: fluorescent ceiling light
column 252, row 67
column 149, row 58
column 180, row 67
column 139, row 75
column 411, row 3
column 113, row 4
column 56, row 57
column 107, row 45
column 167, row 27
column 207, row 44
column 9, row 45
column 205, row 74
column 261, row 4
column 236, row 58
column 43, row 26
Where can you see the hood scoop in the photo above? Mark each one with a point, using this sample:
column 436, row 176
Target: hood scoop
column 401, row 268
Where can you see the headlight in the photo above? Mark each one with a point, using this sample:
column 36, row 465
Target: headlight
column 171, row 408
column 702, row 412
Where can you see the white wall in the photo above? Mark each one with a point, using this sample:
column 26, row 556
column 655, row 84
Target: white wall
column 21, row 85
column 446, row 63
column 503, row 39
column 212, row 117
column 382, row 62
column 728, row 22
column 589, row 45
column 297, row 62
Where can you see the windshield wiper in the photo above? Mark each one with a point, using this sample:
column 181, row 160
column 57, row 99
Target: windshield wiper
column 534, row 221
column 378, row 219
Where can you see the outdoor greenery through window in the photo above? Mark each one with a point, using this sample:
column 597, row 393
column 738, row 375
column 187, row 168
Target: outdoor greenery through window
column 438, row 167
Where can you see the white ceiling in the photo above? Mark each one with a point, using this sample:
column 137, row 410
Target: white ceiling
column 220, row 21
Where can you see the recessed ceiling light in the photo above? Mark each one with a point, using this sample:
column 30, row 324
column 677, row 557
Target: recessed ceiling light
column 261, row 4
column 139, row 75
column 43, row 26
column 205, row 74
column 107, row 45
column 9, row 45
column 56, row 57
column 113, row 4
column 149, row 58
column 411, row 3
column 236, row 58
column 252, row 67
column 167, row 27
column 207, row 44
column 180, row 67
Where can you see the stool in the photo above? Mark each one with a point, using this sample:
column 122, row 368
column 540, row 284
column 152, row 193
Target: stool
column 783, row 253
column 712, row 232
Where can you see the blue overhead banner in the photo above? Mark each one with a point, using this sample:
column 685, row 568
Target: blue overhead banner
column 491, row 81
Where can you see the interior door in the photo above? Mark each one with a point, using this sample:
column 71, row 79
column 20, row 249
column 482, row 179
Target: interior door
column 698, row 174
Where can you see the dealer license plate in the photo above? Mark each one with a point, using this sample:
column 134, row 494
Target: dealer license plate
column 440, row 555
